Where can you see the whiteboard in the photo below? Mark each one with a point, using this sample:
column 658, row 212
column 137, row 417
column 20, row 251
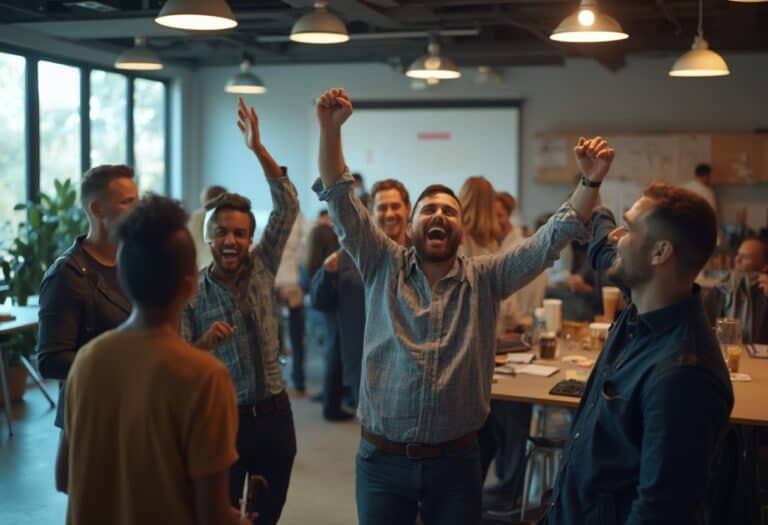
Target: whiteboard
column 427, row 146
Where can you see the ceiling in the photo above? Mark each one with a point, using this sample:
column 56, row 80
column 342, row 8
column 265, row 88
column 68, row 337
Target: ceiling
column 497, row 33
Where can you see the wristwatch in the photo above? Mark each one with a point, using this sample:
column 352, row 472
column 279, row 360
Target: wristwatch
column 589, row 183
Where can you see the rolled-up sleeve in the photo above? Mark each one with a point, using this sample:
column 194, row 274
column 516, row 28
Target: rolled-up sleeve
column 364, row 241
column 516, row 267
column 601, row 251
column 285, row 209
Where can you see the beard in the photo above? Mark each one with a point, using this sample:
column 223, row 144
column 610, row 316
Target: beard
column 224, row 266
column 449, row 251
column 626, row 276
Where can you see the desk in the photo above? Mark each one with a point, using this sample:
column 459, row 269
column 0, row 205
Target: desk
column 749, row 406
column 26, row 319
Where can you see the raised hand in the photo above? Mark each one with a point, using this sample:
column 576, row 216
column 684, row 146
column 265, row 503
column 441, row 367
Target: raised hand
column 248, row 122
column 594, row 157
column 333, row 108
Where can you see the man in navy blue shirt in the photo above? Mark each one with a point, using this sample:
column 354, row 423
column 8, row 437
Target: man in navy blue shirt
column 657, row 404
column 338, row 288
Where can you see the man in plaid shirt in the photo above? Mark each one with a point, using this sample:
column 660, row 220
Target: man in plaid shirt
column 234, row 315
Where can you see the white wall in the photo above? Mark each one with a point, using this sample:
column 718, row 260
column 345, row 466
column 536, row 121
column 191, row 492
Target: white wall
column 581, row 96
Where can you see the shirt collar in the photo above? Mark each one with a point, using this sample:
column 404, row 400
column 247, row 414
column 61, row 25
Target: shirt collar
column 457, row 271
column 664, row 319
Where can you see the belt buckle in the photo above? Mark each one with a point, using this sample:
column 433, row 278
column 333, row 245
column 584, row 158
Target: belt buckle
column 409, row 447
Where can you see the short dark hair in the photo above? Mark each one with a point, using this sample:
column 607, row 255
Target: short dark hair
column 211, row 192
column 96, row 180
column 322, row 213
column 762, row 242
column 156, row 251
column 231, row 201
column 702, row 170
column 390, row 184
column 687, row 220
column 431, row 190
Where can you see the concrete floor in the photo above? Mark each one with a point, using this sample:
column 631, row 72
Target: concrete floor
column 322, row 490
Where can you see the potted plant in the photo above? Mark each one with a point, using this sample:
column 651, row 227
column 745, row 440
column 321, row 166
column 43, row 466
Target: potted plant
column 50, row 227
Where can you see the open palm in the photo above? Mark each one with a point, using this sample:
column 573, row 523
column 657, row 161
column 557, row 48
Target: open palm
column 248, row 122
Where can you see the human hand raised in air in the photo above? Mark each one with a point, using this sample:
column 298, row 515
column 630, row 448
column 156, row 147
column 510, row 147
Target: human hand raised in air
column 594, row 157
column 333, row 108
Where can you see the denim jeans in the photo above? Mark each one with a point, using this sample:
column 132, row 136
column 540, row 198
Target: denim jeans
column 391, row 489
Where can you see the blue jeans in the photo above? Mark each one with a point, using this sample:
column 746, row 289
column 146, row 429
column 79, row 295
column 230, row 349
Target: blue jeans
column 391, row 489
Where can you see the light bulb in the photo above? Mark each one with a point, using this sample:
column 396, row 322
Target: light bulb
column 586, row 17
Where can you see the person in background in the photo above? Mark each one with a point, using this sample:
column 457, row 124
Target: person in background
column 322, row 243
column 504, row 206
column 743, row 292
column 504, row 435
column 338, row 289
column 150, row 424
column 480, row 223
column 655, row 410
column 291, row 295
column 701, row 184
column 196, row 221
column 80, row 295
column 234, row 315
column 430, row 342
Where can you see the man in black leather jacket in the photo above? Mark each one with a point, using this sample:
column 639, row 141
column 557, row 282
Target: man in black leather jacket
column 80, row 296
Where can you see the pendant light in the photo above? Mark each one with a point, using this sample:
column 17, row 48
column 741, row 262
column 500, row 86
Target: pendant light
column 700, row 61
column 139, row 57
column 588, row 25
column 197, row 15
column 433, row 65
column 319, row 27
column 245, row 82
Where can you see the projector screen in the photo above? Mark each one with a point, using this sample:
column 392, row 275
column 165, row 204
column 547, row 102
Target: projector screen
column 431, row 145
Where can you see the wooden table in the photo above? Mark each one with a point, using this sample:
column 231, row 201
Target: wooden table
column 25, row 319
column 750, row 406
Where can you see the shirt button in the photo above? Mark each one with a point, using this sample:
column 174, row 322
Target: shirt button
column 576, row 436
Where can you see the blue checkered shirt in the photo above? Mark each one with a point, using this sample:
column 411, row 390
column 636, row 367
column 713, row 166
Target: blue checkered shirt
column 251, row 353
column 428, row 353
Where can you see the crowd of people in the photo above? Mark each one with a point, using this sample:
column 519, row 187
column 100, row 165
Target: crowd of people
column 167, row 341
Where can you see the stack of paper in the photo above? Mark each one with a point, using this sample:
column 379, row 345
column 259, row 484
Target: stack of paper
column 538, row 370
column 519, row 358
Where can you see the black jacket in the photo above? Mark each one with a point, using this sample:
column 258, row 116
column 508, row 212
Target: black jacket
column 76, row 305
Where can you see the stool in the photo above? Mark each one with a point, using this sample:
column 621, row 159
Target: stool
column 548, row 451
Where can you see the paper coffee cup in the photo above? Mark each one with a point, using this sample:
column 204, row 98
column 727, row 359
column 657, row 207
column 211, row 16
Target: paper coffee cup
column 553, row 314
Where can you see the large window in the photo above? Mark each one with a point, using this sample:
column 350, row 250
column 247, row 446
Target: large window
column 108, row 101
column 59, row 91
column 149, row 134
column 12, row 145
column 79, row 117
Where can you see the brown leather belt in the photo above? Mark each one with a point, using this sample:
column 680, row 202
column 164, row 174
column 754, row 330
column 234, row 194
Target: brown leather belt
column 419, row 450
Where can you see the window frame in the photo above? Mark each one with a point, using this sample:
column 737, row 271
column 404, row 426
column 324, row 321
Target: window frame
column 32, row 113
